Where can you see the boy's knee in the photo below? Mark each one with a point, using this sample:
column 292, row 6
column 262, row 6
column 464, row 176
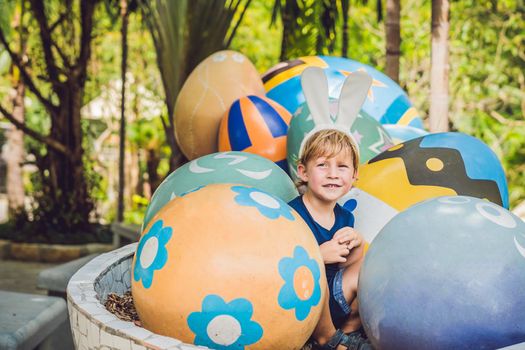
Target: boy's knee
column 350, row 278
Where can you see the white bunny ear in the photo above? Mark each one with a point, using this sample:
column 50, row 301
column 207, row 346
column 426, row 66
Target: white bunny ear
column 315, row 89
column 353, row 94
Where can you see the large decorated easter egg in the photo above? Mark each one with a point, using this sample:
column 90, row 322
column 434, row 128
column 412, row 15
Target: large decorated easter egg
column 430, row 166
column 402, row 133
column 447, row 273
column 386, row 101
column 256, row 125
column 240, row 271
column 207, row 94
column 223, row 167
column 369, row 134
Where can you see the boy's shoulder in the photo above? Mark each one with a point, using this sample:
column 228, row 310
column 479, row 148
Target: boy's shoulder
column 296, row 203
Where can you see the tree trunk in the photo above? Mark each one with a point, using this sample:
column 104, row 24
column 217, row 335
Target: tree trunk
column 152, row 163
column 14, row 154
column 345, row 5
column 63, row 202
column 66, row 177
column 132, row 175
column 122, row 139
column 287, row 28
column 393, row 38
column 14, row 151
column 439, row 71
column 176, row 157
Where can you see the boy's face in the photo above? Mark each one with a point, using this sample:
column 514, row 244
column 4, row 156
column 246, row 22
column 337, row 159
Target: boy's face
column 328, row 179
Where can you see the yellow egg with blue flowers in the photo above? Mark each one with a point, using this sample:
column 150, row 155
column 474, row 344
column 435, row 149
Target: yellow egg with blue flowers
column 229, row 267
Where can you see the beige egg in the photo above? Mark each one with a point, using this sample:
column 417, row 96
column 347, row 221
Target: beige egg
column 207, row 94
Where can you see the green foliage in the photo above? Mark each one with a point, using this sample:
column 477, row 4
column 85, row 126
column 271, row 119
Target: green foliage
column 256, row 39
column 8, row 8
column 488, row 81
column 186, row 32
column 5, row 62
column 487, row 65
column 135, row 214
column 146, row 134
column 21, row 230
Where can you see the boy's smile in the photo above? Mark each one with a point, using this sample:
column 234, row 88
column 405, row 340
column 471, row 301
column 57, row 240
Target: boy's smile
column 328, row 178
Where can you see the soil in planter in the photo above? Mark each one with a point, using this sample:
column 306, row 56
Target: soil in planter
column 122, row 306
column 31, row 233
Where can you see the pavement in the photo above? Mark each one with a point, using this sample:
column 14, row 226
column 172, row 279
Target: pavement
column 21, row 276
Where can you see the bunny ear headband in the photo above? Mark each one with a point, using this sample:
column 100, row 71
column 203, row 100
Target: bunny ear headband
column 353, row 94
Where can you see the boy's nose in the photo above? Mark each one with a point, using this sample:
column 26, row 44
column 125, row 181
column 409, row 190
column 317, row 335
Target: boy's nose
column 332, row 172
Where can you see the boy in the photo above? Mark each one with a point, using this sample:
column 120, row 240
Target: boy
column 328, row 168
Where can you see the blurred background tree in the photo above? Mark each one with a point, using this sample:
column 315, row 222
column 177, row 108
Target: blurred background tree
column 60, row 48
column 13, row 153
column 184, row 33
column 167, row 39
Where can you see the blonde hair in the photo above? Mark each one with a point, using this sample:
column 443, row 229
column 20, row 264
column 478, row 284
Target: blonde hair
column 328, row 143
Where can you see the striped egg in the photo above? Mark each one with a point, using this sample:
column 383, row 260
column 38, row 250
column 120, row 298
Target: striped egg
column 256, row 125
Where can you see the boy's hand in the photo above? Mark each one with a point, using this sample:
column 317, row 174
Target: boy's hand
column 334, row 252
column 349, row 237
column 354, row 242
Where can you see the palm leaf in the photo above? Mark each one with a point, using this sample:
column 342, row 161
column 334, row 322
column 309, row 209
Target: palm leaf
column 6, row 15
column 187, row 31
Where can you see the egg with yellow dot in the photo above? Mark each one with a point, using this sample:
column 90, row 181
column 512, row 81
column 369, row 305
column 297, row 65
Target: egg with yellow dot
column 403, row 133
column 443, row 164
column 241, row 271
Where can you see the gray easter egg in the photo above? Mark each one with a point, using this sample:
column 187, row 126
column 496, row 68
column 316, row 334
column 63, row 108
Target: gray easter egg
column 447, row 273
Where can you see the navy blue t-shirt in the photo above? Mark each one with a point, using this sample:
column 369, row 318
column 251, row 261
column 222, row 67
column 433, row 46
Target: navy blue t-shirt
column 343, row 218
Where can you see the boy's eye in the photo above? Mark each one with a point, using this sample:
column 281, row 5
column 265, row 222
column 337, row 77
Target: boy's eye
column 321, row 164
column 343, row 166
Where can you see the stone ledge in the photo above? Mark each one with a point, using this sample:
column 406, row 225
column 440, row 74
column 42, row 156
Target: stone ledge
column 30, row 321
column 96, row 328
column 49, row 252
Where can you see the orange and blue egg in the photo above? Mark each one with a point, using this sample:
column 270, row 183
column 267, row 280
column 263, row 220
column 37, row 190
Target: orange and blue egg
column 257, row 125
column 240, row 272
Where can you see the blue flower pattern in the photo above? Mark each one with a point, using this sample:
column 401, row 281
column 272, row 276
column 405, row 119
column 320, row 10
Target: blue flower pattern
column 270, row 206
column 288, row 298
column 224, row 326
column 151, row 244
